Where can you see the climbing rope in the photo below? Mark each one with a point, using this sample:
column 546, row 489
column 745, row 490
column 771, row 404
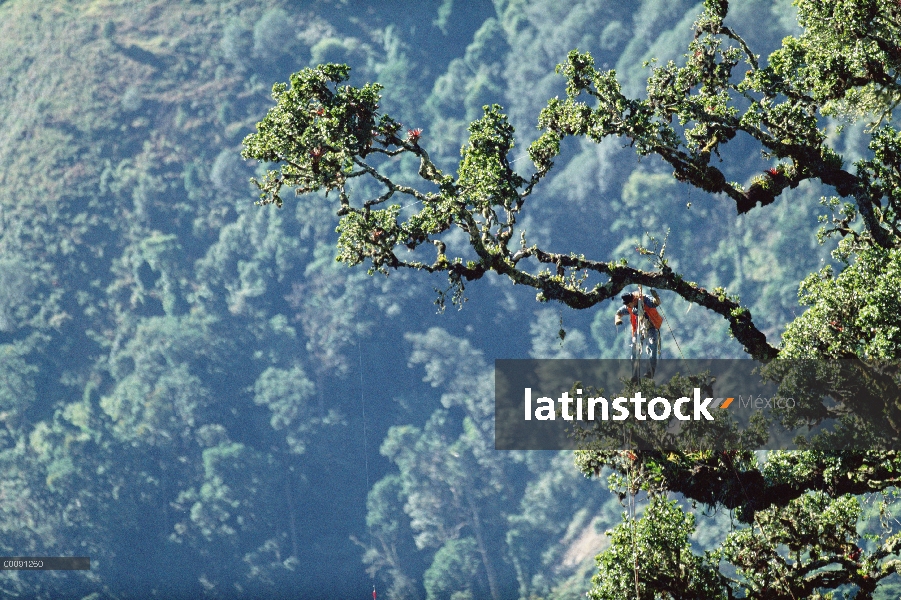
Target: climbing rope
column 672, row 334
column 640, row 329
column 365, row 455
column 627, row 443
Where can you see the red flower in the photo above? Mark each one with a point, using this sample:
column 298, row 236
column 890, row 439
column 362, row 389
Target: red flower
column 413, row 135
column 773, row 172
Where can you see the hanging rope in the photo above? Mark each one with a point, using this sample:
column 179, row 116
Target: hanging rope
column 637, row 349
column 365, row 455
column 630, row 456
column 638, row 345
column 672, row 334
column 634, row 527
column 562, row 333
column 365, row 444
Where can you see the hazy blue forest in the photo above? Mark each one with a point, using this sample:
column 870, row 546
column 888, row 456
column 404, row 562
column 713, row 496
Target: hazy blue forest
column 184, row 375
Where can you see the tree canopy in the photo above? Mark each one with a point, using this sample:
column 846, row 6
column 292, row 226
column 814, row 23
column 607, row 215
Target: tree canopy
column 799, row 509
column 325, row 135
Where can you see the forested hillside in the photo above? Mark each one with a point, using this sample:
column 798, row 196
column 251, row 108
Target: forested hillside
column 195, row 394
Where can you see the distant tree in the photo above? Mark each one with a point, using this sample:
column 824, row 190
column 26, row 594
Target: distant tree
column 226, row 173
column 15, row 288
column 455, row 567
column 392, row 537
column 801, row 508
column 236, row 44
column 272, row 34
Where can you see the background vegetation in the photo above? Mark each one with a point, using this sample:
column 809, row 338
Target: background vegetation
column 185, row 375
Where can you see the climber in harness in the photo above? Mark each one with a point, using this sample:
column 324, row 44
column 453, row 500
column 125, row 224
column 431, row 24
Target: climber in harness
column 646, row 322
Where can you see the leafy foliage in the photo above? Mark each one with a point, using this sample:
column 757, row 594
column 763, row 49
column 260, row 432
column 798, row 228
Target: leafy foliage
column 654, row 553
column 692, row 115
column 179, row 370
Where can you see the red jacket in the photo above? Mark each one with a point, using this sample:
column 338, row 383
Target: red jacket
column 650, row 310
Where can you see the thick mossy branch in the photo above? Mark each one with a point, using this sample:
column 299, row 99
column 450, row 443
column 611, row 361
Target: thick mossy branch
column 725, row 480
column 566, row 291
